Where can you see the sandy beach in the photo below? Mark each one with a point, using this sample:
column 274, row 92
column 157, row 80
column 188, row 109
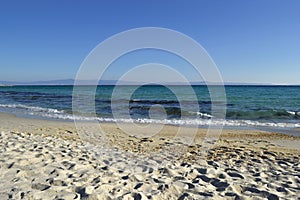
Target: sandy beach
column 150, row 100
column 41, row 159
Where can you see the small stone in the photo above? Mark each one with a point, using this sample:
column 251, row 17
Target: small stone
column 137, row 196
column 138, row 186
column 39, row 186
column 232, row 174
column 222, row 176
column 202, row 170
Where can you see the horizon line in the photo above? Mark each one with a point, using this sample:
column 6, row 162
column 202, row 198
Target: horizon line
column 114, row 82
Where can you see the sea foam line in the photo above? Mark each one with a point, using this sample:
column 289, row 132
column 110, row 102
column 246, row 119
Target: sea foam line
column 60, row 114
column 31, row 108
column 188, row 122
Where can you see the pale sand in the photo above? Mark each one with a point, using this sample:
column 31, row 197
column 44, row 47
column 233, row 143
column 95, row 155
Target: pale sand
column 42, row 159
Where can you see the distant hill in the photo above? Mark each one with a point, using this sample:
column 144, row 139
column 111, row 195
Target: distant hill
column 52, row 82
column 110, row 82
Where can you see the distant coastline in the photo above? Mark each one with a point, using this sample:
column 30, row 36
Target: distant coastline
column 115, row 82
column 5, row 85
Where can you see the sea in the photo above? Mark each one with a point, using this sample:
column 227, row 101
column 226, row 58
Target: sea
column 274, row 108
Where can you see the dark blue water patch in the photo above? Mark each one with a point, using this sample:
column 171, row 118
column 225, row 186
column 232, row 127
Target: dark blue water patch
column 24, row 96
column 258, row 114
column 177, row 102
column 171, row 112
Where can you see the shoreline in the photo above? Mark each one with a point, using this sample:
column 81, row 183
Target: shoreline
column 43, row 159
column 112, row 133
column 281, row 130
column 8, row 121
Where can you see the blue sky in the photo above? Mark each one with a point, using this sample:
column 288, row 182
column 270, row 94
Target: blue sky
column 250, row 41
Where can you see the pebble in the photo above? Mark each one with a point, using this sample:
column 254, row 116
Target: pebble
column 39, row 186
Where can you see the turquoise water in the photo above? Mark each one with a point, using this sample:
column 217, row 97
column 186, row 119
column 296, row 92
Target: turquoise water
column 254, row 106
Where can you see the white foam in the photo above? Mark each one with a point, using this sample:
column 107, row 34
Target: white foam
column 293, row 113
column 204, row 115
column 31, row 108
column 59, row 114
column 188, row 122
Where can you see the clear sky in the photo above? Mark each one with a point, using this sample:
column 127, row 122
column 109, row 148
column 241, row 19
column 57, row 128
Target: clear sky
column 250, row 41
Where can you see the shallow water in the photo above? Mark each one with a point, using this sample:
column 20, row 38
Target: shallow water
column 246, row 106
